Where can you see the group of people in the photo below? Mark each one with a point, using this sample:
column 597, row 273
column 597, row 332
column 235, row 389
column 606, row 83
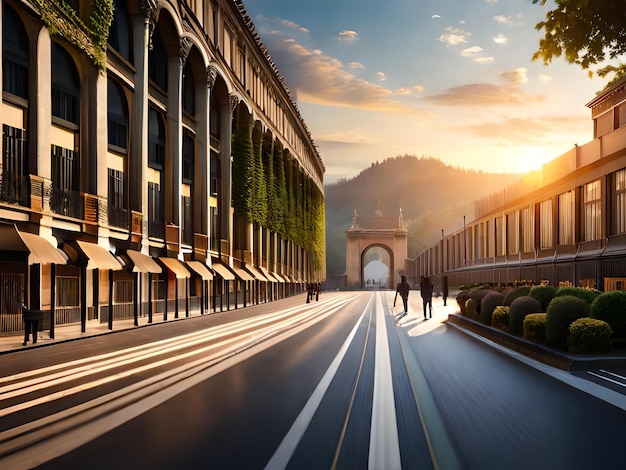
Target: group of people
column 313, row 290
column 426, row 292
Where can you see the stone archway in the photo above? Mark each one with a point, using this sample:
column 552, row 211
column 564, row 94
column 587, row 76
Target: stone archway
column 377, row 267
column 367, row 232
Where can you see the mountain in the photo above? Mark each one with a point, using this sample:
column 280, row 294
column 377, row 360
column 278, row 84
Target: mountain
column 432, row 195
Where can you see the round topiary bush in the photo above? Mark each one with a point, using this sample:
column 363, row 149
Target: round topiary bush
column 487, row 305
column 535, row 327
column 500, row 317
column 477, row 294
column 588, row 295
column 521, row 307
column 544, row 294
column 562, row 311
column 470, row 309
column 461, row 298
column 611, row 308
column 589, row 335
column 516, row 292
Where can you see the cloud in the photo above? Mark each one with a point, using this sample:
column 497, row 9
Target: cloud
column 524, row 131
column 500, row 39
column 348, row 36
column 470, row 51
column 317, row 78
column 381, row 76
column 544, row 78
column 501, row 19
column 356, row 65
column 293, row 25
column 508, row 93
column 435, row 16
column 347, row 136
column 409, row 91
column 492, row 1
column 484, row 60
column 453, row 36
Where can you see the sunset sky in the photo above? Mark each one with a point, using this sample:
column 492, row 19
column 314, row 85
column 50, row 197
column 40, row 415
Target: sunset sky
column 450, row 79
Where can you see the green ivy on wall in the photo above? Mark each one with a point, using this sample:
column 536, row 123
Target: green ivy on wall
column 272, row 190
column 62, row 20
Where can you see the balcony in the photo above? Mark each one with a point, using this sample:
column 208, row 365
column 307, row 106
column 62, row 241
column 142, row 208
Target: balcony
column 200, row 245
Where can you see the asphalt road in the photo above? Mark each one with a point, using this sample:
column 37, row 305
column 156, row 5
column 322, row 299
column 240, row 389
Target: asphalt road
column 331, row 384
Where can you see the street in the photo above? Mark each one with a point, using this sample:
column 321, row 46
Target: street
column 329, row 384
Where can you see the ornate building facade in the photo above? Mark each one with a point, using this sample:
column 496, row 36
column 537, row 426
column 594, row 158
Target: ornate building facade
column 153, row 163
column 564, row 224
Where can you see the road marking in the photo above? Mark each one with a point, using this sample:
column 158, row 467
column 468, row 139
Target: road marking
column 287, row 447
column 384, row 444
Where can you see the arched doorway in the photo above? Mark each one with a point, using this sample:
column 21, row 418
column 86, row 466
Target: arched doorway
column 377, row 264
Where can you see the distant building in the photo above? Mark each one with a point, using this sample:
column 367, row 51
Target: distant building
column 152, row 160
column 564, row 224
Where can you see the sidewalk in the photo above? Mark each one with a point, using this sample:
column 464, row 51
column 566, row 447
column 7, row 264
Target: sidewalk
column 69, row 332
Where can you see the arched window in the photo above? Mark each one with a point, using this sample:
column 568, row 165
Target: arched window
column 214, row 117
column 157, row 62
column 117, row 116
column 14, row 54
column 156, row 140
column 189, row 92
column 120, row 33
column 65, row 86
column 188, row 156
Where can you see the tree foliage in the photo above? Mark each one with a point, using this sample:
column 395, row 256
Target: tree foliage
column 585, row 32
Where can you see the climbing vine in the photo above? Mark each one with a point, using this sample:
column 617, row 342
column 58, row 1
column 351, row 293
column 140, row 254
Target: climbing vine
column 62, row 20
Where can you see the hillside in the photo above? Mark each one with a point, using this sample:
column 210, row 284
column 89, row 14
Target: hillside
column 432, row 195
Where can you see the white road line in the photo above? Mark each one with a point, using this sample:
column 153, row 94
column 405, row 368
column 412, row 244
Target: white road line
column 287, row 447
column 384, row 445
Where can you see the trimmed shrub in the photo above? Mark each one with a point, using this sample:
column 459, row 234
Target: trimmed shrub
column 588, row 295
column 589, row 335
column 611, row 308
column 478, row 294
column 500, row 317
column 562, row 311
column 521, row 307
column 544, row 294
column 461, row 298
column 487, row 305
column 535, row 327
column 520, row 291
column 470, row 309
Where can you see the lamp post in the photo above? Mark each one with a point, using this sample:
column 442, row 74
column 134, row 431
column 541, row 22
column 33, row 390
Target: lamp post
column 464, row 243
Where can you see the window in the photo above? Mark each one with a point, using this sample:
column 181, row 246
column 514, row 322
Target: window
column 120, row 36
column 604, row 123
column 189, row 92
column 117, row 117
column 14, row 54
column 67, row 291
column 187, row 228
column 65, row 86
column 156, row 225
column 157, row 62
column 14, row 181
column 188, row 157
column 215, row 174
column 65, row 197
column 566, row 218
column 546, row 223
column 499, row 228
column 620, row 201
column 512, row 230
column 156, row 140
column 592, row 206
column 118, row 215
column 528, row 230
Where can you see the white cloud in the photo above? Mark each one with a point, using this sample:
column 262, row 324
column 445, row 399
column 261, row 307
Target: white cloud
column 293, row 25
column 484, row 60
column 348, row 36
column 501, row 19
column 515, row 77
column 470, row 51
column 544, row 78
column 356, row 65
column 453, row 36
column 435, row 16
column 381, row 76
column 500, row 39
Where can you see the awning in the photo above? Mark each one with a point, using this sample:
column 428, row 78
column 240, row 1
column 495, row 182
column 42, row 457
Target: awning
column 278, row 277
column 267, row 274
column 243, row 274
column 201, row 270
column 223, row 272
column 178, row 268
column 98, row 257
column 143, row 263
column 259, row 274
column 40, row 250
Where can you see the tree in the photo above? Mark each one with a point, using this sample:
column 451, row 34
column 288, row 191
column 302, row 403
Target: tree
column 585, row 32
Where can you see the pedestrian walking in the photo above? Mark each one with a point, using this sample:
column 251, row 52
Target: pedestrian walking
column 426, row 291
column 403, row 289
